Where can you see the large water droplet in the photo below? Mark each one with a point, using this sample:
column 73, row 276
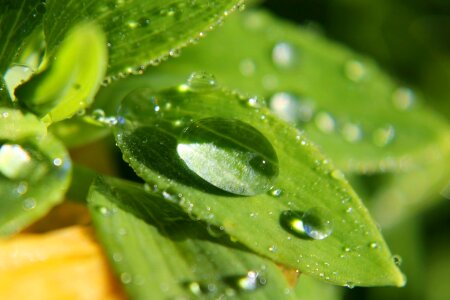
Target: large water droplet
column 200, row 81
column 284, row 55
column 315, row 223
column 15, row 161
column 230, row 155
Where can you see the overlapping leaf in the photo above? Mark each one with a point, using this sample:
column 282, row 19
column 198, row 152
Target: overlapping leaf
column 361, row 118
column 34, row 170
column 18, row 18
column 159, row 253
column 149, row 132
column 138, row 32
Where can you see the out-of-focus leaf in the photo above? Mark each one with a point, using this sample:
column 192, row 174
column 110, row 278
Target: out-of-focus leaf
column 165, row 138
column 311, row 289
column 76, row 132
column 159, row 253
column 63, row 264
column 70, row 80
column 360, row 117
column 139, row 33
column 34, row 171
column 404, row 195
column 18, row 18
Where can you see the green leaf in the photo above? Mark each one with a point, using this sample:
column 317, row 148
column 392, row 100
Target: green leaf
column 151, row 128
column 71, row 79
column 18, row 18
column 34, row 170
column 159, row 253
column 308, row 288
column 395, row 200
column 361, row 118
column 139, row 33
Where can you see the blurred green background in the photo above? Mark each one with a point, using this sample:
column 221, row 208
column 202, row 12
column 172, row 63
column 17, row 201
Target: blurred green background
column 410, row 39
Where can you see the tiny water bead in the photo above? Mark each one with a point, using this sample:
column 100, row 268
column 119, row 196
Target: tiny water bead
column 229, row 154
column 28, row 204
column 383, row 136
column 403, row 98
column 247, row 67
column 397, row 260
column 284, row 55
column 290, row 108
column 351, row 132
column 325, row 122
column 200, row 81
column 355, row 70
column 315, row 223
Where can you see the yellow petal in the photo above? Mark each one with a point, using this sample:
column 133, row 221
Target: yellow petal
column 61, row 264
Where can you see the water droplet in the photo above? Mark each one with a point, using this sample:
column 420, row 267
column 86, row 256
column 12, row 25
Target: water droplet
column 284, row 55
column 215, row 231
column 132, row 24
column 337, row 174
column 275, row 192
column 15, row 161
column 349, row 284
column 351, row 132
column 195, row 288
column 403, row 98
column 290, row 108
column 397, row 260
column 373, row 245
column 273, row 248
column 22, row 188
column 247, row 67
column 315, row 223
column 28, row 204
column 270, row 82
column 117, row 257
column 230, row 155
column 355, row 70
column 200, row 81
column 57, row 162
column 176, row 52
column 249, row 282
column 125, row 278
column 383, row 136
column 103, row 210
column 325, row 122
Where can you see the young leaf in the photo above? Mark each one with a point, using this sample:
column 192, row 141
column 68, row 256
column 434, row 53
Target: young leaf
column 311, row 219
column 72, row 77
column 360, row 117
column 34, row 170
column 139, row 33
column 18, row 18
column 159, row 253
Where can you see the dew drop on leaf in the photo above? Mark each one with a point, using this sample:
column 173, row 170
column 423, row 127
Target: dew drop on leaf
column 229, row 154
column 355, row 70
column 28, row 204
column 315, row 223
column 383, row 136
column 284, row 55
column 14, row 161
column 403, row 98
column 351, row 132
column 290, row 108
column 325, row 122
column 200, row 81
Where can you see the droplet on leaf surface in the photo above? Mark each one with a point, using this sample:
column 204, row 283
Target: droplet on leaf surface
column 230, row 155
